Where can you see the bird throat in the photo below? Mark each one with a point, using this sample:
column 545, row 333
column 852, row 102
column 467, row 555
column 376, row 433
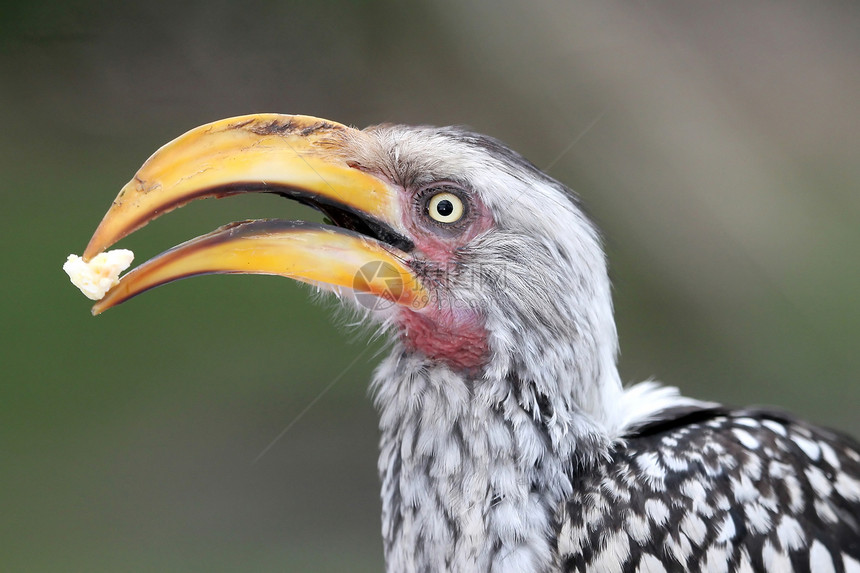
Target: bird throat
column 456, row 339
column 469, row 477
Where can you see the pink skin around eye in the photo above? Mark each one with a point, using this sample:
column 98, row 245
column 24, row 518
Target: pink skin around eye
column 434, row 245
column 441, row 331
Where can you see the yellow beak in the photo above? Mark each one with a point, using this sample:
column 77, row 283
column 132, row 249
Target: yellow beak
column 299, row 157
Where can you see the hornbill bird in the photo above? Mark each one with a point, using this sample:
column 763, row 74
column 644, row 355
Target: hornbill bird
column 508, row 443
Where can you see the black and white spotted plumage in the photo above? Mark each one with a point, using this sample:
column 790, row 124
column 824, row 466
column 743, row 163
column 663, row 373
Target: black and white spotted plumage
column 718, row 490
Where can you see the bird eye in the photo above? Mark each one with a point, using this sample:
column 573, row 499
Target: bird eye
column 445, row 207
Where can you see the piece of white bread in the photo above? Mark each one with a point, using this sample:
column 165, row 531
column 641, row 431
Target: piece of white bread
column 97, row 277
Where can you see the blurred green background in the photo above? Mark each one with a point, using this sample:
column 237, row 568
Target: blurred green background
column 717, row 144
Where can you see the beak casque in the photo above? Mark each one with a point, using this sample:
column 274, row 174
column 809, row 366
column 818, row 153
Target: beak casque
column 299, row 157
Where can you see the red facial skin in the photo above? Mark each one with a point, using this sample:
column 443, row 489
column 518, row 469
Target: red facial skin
column 460, row 342
column 441, row 331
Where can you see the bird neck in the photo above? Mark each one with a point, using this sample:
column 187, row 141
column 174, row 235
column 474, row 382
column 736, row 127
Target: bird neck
column 472, row 468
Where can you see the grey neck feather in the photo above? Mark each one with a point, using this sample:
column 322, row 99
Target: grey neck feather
column 474, row 468
column 470, row 475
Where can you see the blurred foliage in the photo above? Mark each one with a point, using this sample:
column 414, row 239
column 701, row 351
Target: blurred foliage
column 723, row 167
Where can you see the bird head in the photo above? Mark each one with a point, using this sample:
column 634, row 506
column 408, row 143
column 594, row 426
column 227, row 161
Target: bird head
column 481, row 266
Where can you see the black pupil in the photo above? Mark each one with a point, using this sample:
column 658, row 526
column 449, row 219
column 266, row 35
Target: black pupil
column 444, row 207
